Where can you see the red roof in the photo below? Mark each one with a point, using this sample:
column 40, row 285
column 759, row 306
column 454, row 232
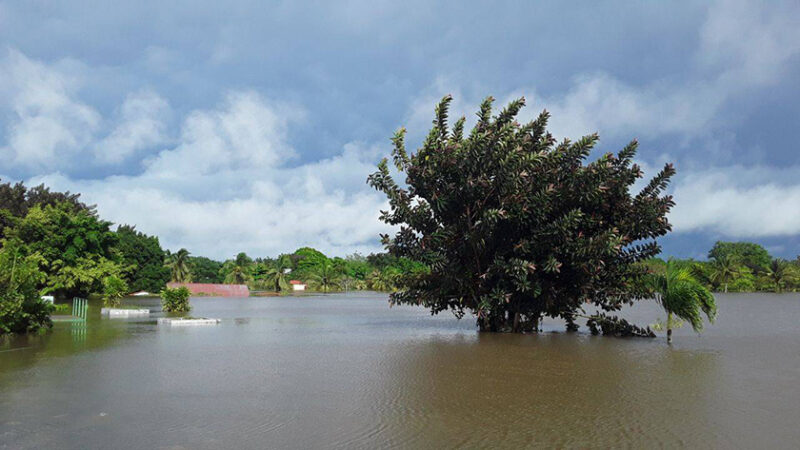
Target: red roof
column 295, row 282
column 221, row 290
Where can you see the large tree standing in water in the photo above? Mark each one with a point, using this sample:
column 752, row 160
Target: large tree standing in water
column 514, row 225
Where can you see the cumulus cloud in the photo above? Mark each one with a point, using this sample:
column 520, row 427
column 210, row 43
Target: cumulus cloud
column 50, row 127
column 141, row 125
column 227, row 186
column 227, row 181
column 738, row 202
column 48, row 124
column 243, row 133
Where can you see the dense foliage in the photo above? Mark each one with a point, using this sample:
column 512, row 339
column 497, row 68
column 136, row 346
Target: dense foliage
column 205, row 270
column 21, row 307
column 17, row 199
column 748, row 254
column 77, row 249
column 175, row 300
column 514, row 225
column 740, row 267
column 144, row 258
column 380, row 272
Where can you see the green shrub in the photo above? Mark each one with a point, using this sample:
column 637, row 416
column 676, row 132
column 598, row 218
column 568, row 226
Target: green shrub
column 62, row 308
column 114, row 288
column 21, row 307
column 175, row 300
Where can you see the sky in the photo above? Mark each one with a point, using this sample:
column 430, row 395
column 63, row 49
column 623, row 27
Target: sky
column 251, row 126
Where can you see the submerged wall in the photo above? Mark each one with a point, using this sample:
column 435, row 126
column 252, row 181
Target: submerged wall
column 216, row 290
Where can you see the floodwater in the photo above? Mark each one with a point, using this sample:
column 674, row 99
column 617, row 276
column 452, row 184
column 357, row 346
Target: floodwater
column 346, row 371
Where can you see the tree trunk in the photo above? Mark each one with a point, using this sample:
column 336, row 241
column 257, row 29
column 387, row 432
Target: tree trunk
column 509, row 322
column 669, row 328
column 726, row 288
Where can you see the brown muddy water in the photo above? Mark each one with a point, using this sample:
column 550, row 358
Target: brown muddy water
column 345, row 371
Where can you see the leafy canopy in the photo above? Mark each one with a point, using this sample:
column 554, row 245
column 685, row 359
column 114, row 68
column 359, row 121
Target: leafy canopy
column 513, row 225
column 750, row 254
column 21, row 308
column 145, row 258
column 77, row 249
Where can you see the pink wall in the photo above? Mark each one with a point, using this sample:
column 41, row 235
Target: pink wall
column 217, row 290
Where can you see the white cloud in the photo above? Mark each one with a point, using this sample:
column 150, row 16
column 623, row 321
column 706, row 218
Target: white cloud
column 599, row 102
column 243, row 133
column 50, row 128
column 226, row 187
column 751, row 43
column 738, row 202
column 141, row 126
column 48, row 124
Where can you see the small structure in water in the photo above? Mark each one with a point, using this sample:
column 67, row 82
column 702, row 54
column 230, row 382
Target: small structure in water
column 80, row 309
column 187, row 321
column 119, row 312
column 297, row 285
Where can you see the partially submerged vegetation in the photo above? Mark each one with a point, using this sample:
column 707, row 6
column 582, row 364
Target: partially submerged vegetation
column 682, row 297
column 514, row 226
column 175, row 299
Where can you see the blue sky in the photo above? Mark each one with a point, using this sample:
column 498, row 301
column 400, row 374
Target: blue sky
column 229, row 126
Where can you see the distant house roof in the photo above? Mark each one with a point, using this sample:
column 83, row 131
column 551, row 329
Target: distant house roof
column 296, row 282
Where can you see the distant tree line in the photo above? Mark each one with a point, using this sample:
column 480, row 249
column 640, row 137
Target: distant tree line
column 377, row 272
column 739, row 267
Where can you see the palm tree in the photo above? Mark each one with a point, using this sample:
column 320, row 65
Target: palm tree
column 178, row 264
column 324, row 275
column 238, row 270
column 682, row 296
column 724, row 270
column 275, row 275
column 780, row 273
column 382, row 280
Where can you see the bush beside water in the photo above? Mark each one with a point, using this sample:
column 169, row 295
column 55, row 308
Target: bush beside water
column 21, row 307
column 175, row 300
